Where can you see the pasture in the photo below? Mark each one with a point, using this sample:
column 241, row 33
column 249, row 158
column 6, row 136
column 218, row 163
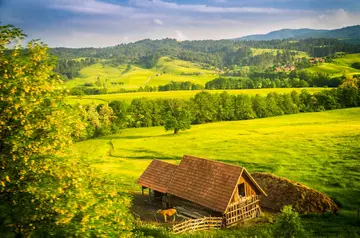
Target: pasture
column 259, row 51
column 338, row 67
column 128, row 97
column 165, row 71
column 320, row 150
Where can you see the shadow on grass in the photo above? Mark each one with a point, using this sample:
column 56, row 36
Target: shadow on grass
column 120, row 137
column 331, row 225
column 145, row 154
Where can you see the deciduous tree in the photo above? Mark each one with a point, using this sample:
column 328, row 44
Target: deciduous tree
column 46, row 190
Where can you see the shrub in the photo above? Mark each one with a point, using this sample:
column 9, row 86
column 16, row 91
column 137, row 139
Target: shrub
column 288, row 224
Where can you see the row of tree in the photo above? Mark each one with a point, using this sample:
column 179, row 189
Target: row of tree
column 176, row 86
column 275, row 80
column 204, row 107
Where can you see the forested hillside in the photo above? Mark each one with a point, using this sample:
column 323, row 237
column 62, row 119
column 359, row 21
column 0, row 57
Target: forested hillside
column 221, row 53
column 165, row 65
column 351, row 32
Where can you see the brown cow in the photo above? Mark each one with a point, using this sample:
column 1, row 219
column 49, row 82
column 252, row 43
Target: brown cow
column 167, row 212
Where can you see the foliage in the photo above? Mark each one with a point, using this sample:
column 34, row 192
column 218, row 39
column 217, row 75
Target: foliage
column 288, row 224
column 45, row 189
column 176, row 86
column 205, row 107
column 356, row 65
column 294, row 79
column 177, row 116
column 70, row 69
column 221, row 53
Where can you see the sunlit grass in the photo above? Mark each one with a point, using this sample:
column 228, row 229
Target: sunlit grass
column 103, row 98
column 320, row 150
column 164, row 72
column 339, row 67
column 259, row 51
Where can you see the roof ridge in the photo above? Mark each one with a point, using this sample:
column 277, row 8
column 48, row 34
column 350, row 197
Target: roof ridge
column 212, row 160
column 163, row 161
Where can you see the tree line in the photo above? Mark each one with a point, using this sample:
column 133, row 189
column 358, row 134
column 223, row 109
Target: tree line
column 294, row 79
column 204, row 107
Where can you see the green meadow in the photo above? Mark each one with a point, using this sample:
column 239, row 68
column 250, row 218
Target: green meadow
column 259, row 51
column 165, row 71
column 128, row 97
column 338, row 67
column 320, row 150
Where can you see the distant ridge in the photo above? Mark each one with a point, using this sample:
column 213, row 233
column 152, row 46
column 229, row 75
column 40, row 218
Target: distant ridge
column 350, row 32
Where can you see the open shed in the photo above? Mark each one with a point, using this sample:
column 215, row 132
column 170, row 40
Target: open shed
column 224, row 189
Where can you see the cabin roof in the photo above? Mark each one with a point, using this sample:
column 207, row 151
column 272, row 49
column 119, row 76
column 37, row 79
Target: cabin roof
column 157, row 175
column 205, row 182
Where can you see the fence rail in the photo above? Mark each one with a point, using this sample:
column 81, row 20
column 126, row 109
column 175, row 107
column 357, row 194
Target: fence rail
column 198, row 224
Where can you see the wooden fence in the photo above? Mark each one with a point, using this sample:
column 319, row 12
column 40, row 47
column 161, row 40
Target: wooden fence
column 198, row 224
column 242, row 210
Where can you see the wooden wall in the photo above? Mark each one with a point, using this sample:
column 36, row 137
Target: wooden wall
column 250, row 189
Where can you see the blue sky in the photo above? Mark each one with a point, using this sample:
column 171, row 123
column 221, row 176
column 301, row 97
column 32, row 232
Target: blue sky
column 99, row 23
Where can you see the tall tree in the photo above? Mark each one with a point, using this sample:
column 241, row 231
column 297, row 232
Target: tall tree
column 177, row 116
column 44, row 189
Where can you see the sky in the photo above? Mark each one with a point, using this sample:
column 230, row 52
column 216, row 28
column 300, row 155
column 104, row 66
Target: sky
column 101, row 23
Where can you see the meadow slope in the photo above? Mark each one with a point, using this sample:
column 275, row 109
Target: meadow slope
column 338, row 67
column 320, row 150
column 165, row 71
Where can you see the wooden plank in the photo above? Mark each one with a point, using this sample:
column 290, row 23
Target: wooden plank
column 198, row 224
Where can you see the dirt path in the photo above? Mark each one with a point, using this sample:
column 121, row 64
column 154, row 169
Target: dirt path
column 148, row 80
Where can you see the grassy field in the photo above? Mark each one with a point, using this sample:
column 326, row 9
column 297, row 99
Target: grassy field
column 339, row 67
column 104, row 98
column 320, row 150
column 259, row 51
column 164, row 72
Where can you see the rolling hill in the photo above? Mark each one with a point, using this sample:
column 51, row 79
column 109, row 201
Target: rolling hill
column 350, row 32
column 338, row 67
column 166, row 70
column 311, row 148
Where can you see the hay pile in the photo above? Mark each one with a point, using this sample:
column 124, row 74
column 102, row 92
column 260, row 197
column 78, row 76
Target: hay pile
column 283, row 192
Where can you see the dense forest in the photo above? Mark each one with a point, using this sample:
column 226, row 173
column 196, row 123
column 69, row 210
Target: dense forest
column 220, row 53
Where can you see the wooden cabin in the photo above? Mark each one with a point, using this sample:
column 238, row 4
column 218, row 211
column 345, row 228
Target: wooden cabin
column 219, row 188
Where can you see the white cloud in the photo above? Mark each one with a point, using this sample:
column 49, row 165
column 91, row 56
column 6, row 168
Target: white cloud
column 181, row 36
column 89, row 6
column 207, row 9
column 158, row 21
column 332, row 19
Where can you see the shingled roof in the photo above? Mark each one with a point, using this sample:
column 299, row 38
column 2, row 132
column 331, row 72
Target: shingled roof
column 157, row 175
column 205, row 182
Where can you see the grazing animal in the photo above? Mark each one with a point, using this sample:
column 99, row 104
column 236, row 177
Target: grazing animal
column 167, row 212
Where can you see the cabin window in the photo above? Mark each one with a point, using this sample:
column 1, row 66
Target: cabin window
column 241, row 189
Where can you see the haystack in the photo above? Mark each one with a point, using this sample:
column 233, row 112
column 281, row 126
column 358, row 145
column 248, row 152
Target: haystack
column 282, row 191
